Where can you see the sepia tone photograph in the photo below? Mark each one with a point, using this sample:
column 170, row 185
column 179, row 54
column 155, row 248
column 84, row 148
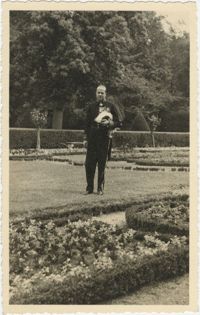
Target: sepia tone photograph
column 99, row 112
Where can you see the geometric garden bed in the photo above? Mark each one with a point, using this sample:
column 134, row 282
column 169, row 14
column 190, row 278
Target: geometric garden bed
column 167, row 215
column 88, row 262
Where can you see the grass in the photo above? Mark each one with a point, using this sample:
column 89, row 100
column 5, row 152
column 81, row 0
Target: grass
column 42, row 184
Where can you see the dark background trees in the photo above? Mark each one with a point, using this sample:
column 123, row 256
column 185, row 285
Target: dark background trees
column 57, row 58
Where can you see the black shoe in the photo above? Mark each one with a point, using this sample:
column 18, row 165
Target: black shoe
column 88, row 192
column 100, row 192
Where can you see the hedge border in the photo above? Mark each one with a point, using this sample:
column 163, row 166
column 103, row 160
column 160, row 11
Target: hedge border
column 138, row 220
column 122, row 279
column 54, row 138
column 77, row 212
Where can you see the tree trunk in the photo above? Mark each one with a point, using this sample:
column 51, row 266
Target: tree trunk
column 38, row 139
column 57, row 119
column 153, row 139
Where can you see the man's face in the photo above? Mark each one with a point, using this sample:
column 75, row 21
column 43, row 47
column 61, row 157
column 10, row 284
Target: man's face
column 100, row 94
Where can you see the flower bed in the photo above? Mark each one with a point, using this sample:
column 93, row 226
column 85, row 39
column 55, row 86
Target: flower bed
column 44, row 153
column 154, row 158
column 87, row 262
column 162, row 162
column 169, row 215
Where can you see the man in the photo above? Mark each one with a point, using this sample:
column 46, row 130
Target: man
column 102, row 117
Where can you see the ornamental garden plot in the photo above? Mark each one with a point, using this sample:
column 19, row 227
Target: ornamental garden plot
column 88, row 262
column 157, row 157
column 167, row 215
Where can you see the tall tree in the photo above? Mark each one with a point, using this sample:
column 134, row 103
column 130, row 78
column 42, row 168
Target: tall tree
column 58, row 57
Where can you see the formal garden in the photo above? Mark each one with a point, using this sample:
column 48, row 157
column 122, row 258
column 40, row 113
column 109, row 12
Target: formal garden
column 68, row 248
column 130, row 245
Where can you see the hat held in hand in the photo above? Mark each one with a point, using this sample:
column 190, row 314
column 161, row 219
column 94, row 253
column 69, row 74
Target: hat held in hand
column 104, row 115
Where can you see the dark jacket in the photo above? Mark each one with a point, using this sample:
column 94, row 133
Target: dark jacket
column 92, row 113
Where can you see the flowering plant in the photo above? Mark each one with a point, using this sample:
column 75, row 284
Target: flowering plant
column 36, row 245
column 76, row 262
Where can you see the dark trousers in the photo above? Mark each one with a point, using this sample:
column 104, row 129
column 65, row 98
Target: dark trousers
column 97, row 152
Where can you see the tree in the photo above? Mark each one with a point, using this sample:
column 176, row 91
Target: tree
column 51, row 57
column 39, row 120
column 154, row 122
column 59, row 57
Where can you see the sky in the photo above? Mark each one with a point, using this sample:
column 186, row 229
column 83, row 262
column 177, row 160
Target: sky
column 178, row 19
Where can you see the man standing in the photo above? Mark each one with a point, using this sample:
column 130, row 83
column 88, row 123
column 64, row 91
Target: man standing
column 102, row 117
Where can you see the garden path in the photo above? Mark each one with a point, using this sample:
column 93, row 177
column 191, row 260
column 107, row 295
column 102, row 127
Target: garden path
column 171, row 292
column 112, row 218
column 174, row 291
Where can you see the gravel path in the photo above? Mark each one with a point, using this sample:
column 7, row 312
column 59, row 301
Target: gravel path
column 113, row 218
column 170, row 292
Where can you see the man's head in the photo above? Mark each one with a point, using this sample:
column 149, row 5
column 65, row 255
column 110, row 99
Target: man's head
column 101, row 93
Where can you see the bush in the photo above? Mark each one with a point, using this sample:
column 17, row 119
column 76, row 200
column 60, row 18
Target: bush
column 165, row 216
column 140, row 123
column 87, row 262
column 160, row 162
column 159, row 156
column 62, row 214
column 26, row 138
column 129, row 139
column 21, row 138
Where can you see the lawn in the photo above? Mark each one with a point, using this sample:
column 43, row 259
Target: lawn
column 42, row 184
column 36, row 185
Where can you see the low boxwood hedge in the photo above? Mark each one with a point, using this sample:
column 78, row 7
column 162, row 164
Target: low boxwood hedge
column 52, row 138
column 174, row 163
column 122, row 279
column 88, row 262
column 62, row 214
column 167, row 215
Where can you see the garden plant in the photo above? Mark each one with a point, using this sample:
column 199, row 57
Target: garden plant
column 87, row 262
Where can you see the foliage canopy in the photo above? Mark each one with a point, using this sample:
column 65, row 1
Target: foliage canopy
column 57, row 58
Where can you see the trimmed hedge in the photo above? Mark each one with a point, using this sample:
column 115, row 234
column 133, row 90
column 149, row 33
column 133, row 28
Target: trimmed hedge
column 60, row 215
column 138, row 221
column 52, row 138
column 159, row 163
column 25, row 138
column 137, row 218
column 127, row 139
column 122, row 279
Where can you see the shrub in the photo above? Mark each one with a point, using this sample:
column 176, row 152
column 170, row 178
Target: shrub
column 165, row 216
column 26, row 138
column 140, row 123
column 22, row 138
column 62, row 214
column 159, row 157
column 162, row 162
column 129, row 139
column 87, row 262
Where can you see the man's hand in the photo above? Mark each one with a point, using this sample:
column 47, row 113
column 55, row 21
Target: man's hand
column 107, row 123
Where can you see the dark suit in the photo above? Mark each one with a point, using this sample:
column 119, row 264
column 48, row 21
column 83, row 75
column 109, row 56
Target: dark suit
column 98, row 144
